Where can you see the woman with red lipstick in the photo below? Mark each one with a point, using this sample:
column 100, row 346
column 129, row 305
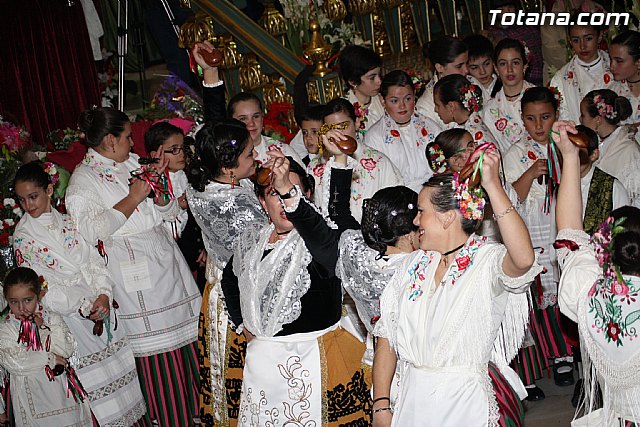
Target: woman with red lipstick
column 447, row 55
column 403, row 134
column 282, row 292
column 459, row 102
column 502, row 113
column 625, row 67
column 586, row 71
column 526, row 168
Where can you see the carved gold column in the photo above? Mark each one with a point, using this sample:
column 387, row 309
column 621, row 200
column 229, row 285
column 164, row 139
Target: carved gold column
column 408, row 27
column 196, row 29
column 273, row 22
column 335, row 10
column 250, row 73
column 231, row 64
column 275, row 91
column 362, row 11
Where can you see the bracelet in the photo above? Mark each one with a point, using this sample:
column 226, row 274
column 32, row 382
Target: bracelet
column 375, row 411
column 498, row 216
column 381, row 398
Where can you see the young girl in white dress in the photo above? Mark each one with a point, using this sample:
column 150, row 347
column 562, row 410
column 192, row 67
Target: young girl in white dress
column 527, row 169
column 603, row 111
column 625, row 67
column 360, row 69
column 502, row 113
column 458, row 103
column 447, row 55
column 34, row 347
column 247, row 108
column 587, row 70
column 403, row 134
column 80, row 290
column 372, row 170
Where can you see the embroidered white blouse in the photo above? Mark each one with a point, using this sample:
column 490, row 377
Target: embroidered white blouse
column 445, row 333
column 372, row 171
column 503, row 117
column 158, row 297
column 576, row 79
column 405, row 146
column 607, row 318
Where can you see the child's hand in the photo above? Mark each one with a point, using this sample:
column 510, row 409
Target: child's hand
column 37, row 318
column 202, row 258
column 182, row 201
column 61, row 361
column 100, row 308
column 3, row 418
column 538, row 168
column 207, row 46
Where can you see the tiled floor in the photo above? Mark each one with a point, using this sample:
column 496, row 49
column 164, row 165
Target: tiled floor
column 555, row 410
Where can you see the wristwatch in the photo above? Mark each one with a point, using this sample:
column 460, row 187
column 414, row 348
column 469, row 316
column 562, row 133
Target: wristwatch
column 291, row 193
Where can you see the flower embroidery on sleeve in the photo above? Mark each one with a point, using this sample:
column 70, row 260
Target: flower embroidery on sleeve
column 395, row 133
column 607, row 78
column 532, row 156
column 501, row 124
column 478, row 136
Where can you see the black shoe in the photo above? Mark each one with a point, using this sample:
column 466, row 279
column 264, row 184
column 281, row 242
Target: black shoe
column 578, row 393
column 534, row 394
column 563, row 379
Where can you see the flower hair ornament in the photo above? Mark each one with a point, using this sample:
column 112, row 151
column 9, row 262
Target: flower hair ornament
column 527, row 53
column 437, row 159
column 604, row 110
column 52, row 171
column 470, row 98
column 556, row 94
column 602, row 241
column 471, row 200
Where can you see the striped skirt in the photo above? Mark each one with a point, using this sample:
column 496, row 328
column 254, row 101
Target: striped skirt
column 510, row 406
column 170, row 384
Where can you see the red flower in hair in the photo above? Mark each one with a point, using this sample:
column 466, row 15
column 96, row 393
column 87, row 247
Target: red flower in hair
column 395, row 133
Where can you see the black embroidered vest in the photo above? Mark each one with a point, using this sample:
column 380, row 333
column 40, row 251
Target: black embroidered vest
column 599, row 201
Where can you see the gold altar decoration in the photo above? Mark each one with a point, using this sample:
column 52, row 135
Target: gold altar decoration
column 407, row 27
column 335, row 10
column 362, row 7
column 273, row 22
column 196, row 29
column 232, row 58
column 275, row 91
column 250, row 73
column 380, row 38
column 318, row 51
column 185, row 4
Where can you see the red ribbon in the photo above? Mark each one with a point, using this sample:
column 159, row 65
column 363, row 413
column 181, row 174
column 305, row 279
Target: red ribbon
column 74, row 387
column 569, row 244
column 29, row 335
column 102, row 252
column 157, row 181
